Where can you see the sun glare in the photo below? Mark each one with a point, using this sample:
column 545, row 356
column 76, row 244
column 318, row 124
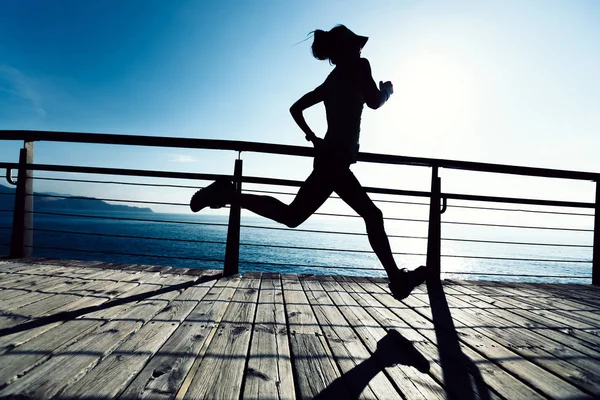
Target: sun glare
column 434, row 92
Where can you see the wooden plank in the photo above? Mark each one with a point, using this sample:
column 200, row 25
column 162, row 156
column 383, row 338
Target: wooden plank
column 112, row 375
column 38, row 309
column 9, row 341
column 220, row 373
column 380, row 304
column 409, row 373
column 570, row 295
column 269, row 373
column 566, row 363
column 164, row 374
column 21, row 296
column 537, row 377
column 363, row 375
column 314, row 366
column 572, row 326
column 25, row 352
column 409, row 322
column 31, row 282
column 70, row 362
column 555, row 332
column 587, row 294
column 118, row 289
column 15, row 266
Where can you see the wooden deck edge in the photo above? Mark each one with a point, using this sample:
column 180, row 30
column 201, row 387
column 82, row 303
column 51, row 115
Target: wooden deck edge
column 163, row 270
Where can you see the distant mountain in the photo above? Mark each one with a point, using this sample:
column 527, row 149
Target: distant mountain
column 70, row 203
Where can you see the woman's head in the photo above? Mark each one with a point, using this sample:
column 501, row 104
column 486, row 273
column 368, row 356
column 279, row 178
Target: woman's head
column 339, row 44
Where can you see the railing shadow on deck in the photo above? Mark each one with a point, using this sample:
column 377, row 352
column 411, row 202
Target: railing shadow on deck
column 462, row 378
column 392, row 349
column 69, row 315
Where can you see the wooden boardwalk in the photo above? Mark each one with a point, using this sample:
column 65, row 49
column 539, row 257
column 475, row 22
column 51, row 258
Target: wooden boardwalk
column 71, row 330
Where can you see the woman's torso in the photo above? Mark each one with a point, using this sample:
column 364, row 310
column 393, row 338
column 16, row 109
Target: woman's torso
column 343, row 105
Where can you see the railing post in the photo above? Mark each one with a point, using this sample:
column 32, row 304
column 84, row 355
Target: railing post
column 596, row 259
column 434, row 235
column 22, row 229
column 232, row 248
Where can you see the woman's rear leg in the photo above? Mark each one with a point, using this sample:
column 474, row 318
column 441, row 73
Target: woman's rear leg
column 312, row 194
column 401, row 281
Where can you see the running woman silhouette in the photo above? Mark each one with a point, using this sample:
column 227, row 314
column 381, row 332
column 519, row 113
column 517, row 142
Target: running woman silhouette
column 347, row 88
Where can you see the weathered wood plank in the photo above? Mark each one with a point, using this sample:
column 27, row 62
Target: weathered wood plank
column 527, row 371
column 164, row 374
column 363, row 375
column 269, row 373
column 565, row 362
column 314, row 366
column 482, row 372
column 119, row 290
column 30, row 348
column 526, row 320
column 410, row 367
column 110, row 377
column 220, row 373
column 70, row 362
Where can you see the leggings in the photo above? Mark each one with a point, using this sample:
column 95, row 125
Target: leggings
column 326, row 178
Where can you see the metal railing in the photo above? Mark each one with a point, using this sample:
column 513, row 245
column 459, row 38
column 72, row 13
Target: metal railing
column 22, row 226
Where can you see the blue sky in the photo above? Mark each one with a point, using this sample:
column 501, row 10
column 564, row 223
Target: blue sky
column 511, row 82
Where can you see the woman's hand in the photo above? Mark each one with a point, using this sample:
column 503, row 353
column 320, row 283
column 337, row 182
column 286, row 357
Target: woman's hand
column 386, row 86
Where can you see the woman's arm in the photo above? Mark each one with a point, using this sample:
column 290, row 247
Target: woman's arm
column 374, row 97
column 306, row 101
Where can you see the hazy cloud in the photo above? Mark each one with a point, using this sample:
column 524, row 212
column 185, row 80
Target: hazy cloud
column 182, row 158
column 14, row 82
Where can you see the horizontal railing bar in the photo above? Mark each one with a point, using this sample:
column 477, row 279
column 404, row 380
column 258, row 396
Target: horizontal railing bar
column 443, row 222
column 117, row 182
column 333, row 196
column 427, row 204
column 303, row 230
column 5, row 227
column 517, row 226
column 309, row 266
column 297, row 247
column 118, row 171
column 337, row 197
column 176, row 142
column 525, row 275
column 125, row 254
column 514, row 200
column 519, row 210
column 128, row 219
column 287, row 182
column 515, row 243
column 296, row 183
column 186, row 205
column 113, row 200
column 116, row 235
column 517, row 259
column 200, row 187
column 585, row 205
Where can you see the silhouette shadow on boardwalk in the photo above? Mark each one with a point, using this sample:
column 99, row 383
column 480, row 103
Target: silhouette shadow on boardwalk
column 461, row 376
column 392, row 349
column 69, row 315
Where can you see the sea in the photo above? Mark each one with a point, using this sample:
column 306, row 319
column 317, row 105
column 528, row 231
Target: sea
column 197, row 241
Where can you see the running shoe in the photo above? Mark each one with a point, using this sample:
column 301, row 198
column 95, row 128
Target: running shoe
column 215, row 195
column 408, row 280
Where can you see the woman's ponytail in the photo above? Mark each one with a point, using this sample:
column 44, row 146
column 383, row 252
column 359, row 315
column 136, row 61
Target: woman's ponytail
column 321, row 47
